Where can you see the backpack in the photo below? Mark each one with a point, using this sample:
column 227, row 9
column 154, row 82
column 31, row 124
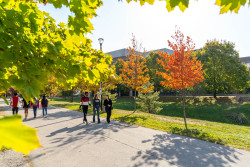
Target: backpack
column 45, row 102
column 36, row 102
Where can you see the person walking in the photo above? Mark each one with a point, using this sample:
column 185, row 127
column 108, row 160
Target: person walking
column 96, row 108
column 35, row 106
column 15, row 103
column 108, row 107
column 44, row 104
column 85, row 102
column 26, row 107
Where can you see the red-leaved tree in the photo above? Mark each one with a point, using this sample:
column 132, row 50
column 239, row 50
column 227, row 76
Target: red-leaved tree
column 181, row 70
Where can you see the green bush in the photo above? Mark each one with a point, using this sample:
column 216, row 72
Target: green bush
column 148, row 102
column 239, row 118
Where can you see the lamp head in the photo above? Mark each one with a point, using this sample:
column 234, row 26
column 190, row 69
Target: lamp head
column 101, row 40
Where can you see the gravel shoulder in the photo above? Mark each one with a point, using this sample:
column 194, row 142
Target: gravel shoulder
column 10, row 158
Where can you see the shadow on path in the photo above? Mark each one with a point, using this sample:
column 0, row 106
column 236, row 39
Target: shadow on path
column 185, row 152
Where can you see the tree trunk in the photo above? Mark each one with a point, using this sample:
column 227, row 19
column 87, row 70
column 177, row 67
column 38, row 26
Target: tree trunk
column 135, row 102
column 72, row 96
column 214, row 94
column 184, row 111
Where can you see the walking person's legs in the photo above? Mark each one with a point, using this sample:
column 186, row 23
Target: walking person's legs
column 43, row 111
column 26, row 113
column 34, row 111
column 94, row 111
column 85, row 110
column 98, row 113
column 108, row 114
column 13, row 110
column 46, row 112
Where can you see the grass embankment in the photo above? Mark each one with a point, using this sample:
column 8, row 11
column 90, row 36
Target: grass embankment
column 207, row 118
column 1, row 112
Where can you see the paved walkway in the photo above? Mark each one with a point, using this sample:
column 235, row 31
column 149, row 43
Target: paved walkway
column 69, row 143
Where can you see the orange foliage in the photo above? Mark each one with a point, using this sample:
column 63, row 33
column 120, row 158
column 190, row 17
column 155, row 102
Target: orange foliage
column 133, row 73
column 182, row 71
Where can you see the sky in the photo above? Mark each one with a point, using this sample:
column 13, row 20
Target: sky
column 153, row 25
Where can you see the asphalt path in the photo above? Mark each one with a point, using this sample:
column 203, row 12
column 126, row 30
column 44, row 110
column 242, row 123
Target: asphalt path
column 67, row 142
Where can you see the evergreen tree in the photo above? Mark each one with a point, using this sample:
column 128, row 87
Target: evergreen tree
column 148, row 101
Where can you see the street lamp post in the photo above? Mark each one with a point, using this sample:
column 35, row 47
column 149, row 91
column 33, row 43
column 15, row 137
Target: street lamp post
column 101, row 40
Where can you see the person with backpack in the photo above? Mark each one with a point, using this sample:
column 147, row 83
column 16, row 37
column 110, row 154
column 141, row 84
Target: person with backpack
column 96, row 108
column 26, row 107
column 15, row 103
column 44, row 104
column 108, row 107
column 35, row 106
column 85, row 102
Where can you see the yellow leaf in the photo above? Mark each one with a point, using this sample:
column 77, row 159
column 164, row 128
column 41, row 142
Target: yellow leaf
column 16, row 136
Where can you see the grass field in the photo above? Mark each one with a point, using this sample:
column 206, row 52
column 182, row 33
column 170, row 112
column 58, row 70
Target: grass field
column 207, row 118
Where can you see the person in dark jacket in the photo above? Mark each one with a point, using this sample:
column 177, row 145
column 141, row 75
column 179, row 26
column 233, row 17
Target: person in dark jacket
column 96, row 108
column 35, row 106
column 26, row 107
column 85, row 102
column 44, row 104
column 108, row 107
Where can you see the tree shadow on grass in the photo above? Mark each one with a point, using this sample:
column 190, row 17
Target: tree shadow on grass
column 185, row 152
column 131, row 118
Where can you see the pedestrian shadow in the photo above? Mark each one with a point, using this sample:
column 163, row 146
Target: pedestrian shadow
column 98, row 132
column 185, row 152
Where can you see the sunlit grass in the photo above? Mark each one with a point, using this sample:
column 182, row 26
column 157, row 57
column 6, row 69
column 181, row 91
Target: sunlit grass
column 207, row 119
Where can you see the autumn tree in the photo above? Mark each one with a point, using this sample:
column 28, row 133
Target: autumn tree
column 51, row 87
column 181, row 70
column 153, row 66
column 224, row 72
column 121, row 88
column 134, row 71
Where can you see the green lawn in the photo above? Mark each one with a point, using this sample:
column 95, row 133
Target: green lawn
column 207, row 118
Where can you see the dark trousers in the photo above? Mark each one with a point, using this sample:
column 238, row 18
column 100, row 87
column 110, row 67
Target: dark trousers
column 15, row 110
column 34, row 111
column 85, row 111
column 96, row 109
column 108, row 110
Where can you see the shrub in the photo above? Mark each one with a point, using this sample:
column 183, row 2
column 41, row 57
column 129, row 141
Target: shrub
column 239, row 118
column 149, row 101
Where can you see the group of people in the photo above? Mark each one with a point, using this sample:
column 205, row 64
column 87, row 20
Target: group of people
column 85, row 103
column 16, row 103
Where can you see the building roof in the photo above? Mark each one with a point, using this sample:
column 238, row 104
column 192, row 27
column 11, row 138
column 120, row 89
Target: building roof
column 123, row 52
column 118, row 53
column 245, row 59
column 162, row 50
